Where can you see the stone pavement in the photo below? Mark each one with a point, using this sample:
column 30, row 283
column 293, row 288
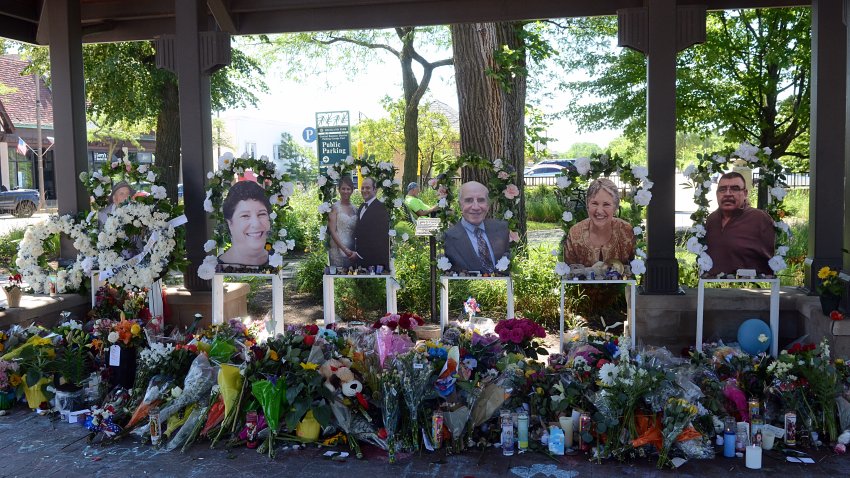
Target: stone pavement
column 33, row 446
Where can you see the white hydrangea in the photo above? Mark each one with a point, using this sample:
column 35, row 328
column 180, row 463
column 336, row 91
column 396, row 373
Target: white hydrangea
column 777, row 263
column 638, row 266
column 562, row 269
column 443, row 263
column 322, row 181
column 582, row 166
column 563, row 182
column 567, row 216
column 778, row 192
column 693, row 245
column 704, row 261
column 640, row 172
column 208, row 205
column 508, row 214
column 689, row 170
column 643, row 197
column 210, row 245
column 503, row 264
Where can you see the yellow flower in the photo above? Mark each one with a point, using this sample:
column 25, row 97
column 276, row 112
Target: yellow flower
column 839, row 361
column 309, row 366
column 823, row 273
column 273, row 355
column 14, row 380
column 135, row 329
column 39, row 341
column 2, row 347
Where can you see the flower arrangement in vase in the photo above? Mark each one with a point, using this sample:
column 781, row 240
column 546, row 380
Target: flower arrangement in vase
column 13, row 290
column 830, row 289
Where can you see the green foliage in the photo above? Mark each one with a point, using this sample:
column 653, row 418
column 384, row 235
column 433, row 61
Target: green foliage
column 582, row 150
column 356, row 299
column 537, row 125
column 796, row 204
column 308, row 278
column 542, row 205
column 300, row 161
column 748, row 81
column 10, row 241
column 303, row 224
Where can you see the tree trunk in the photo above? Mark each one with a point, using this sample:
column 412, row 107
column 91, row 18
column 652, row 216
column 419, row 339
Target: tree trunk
column 481, row 112
column 168, row 137
column 411, row 108
column 514, row 115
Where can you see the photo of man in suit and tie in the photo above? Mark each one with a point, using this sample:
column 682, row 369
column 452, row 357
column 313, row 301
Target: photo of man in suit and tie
column 371, row 235
column 475, row 243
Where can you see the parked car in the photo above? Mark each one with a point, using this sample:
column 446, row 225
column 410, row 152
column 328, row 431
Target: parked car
column 543, row 171
column 564, row 163
column 20, row 202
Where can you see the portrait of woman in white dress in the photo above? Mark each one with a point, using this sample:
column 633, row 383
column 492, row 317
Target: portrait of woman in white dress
column 342, row 221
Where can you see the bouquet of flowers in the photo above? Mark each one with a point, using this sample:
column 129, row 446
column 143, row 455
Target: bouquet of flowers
column 470, row 307
column 414, row 371
column 390, row 385
column 15, row 282
column 272, row 397
column 678, row 413
column 520, row 335
column 10, row 377
column 830, row 284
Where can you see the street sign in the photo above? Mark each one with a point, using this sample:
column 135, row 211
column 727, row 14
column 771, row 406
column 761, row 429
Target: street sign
column 333, row 137
column 309, row 134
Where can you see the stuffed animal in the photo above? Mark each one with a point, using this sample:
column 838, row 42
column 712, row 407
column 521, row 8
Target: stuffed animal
column 339, row 376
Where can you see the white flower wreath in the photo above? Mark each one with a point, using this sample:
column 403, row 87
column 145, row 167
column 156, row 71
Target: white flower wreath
column 384, row 174
column 706, row 172
column 273, row 180
column 31, row 249
column 136, row 271
column 572, row 182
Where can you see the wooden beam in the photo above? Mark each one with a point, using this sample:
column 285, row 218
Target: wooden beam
column 17, row 29
column 222, row 16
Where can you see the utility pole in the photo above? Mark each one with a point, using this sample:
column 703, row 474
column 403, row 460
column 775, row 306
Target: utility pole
column 39, row 151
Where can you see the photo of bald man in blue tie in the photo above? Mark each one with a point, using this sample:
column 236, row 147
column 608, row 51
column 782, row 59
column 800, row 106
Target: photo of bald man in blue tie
column 476, row 243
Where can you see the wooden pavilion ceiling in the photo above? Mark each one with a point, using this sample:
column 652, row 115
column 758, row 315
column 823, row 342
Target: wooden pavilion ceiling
column 122, row 20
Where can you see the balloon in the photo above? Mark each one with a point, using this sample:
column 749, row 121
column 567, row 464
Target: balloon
column 754, row 336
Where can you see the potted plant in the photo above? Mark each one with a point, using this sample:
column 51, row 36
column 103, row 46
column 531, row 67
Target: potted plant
column 830, row 289
column 71, row 365
column 13, row 290
column 37, row 363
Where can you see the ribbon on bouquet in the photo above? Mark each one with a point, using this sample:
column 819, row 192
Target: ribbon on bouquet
column 135, row 260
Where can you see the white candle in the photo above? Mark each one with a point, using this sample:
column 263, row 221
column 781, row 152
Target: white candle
column 567, row 425
column 754, row 457
column 767, row 440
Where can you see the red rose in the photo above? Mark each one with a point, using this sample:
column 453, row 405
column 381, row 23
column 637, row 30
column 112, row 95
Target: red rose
column 382, row 433
column 836, row 315
column 311, row 329
column 404, row 322
column 309, row 340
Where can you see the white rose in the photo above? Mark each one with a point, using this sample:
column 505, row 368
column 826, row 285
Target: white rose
column 98, row 191
column 397, row 202
column 638, row 266
column 208, row 206
column 442, row 203
column 443, row 263
column 782, row 250
column 275, row 260
column 282, row 233
column 689, row 170
column 273, row 216
column 563, row 182
column 640, row 172
column 778, row 192
column 387, row 183
column 364, row 170
column 112, row 337
column 706, row 184
column 567, row 216
column 643, row 197
column 498, row 164
column 693, row 245
column 151, row 176
column 705, row 263
column 508, row 214
column 392, row 233
column 210, row 175
column 582, row 166
column 209, row 245
column 777, row 263
column 322, row 181
column 503, row 264
column 637, row 231
column 562, row 269
column 158, row 192
column 405, row 237
column 324, row 208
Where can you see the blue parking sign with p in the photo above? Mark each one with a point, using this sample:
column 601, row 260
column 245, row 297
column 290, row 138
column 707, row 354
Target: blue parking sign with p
column 309, row 134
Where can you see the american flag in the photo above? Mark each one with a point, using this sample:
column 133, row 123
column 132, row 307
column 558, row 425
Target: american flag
column 22, row 146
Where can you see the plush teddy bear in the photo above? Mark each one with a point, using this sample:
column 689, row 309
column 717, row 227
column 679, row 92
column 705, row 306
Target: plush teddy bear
column 338, row 376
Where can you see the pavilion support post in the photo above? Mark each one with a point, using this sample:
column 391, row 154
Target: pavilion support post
column 195, row 131
column 69, row 110
column 660, row 29
column 827, row 150
column 845, row 270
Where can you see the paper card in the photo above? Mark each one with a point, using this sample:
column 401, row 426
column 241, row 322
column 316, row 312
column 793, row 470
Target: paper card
column 804, row 459
column 114, row 356
column 418, row 366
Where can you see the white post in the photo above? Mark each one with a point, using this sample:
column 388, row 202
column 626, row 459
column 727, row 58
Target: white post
column 277, row 305
column 218, row 299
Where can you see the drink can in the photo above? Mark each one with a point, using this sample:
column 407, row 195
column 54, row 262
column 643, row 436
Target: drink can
column 791, row 429
column 155, row 426
column 754, row 406
column 437, row 429
column 583, row 426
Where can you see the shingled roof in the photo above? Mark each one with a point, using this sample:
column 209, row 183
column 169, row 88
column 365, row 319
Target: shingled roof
column 19, row 105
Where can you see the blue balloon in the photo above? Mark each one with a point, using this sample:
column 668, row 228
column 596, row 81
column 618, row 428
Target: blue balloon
column 749, row 333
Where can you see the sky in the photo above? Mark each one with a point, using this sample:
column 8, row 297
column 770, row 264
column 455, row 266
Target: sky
column 298, row 103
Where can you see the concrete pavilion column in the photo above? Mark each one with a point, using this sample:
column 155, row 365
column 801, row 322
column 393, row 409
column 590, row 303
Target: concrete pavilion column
column 69, row 109
column 659, row 30
column 828, row 87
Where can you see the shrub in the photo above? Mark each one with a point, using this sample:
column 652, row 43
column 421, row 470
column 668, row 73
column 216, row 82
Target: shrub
column 303, row 222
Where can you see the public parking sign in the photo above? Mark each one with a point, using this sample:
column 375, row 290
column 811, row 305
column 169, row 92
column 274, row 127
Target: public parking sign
column 333, row 137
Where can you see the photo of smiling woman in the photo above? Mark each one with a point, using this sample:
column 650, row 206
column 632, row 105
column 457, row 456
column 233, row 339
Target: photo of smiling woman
column 246, row 210
column 601, row 237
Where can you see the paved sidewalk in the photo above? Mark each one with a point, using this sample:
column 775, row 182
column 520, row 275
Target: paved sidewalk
column 33, row 446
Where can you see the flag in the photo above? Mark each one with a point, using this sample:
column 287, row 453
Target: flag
column 22, row 146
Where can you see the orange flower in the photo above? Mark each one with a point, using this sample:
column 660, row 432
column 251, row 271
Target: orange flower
column 124, row 329
column 97, row 344
column 273, row 355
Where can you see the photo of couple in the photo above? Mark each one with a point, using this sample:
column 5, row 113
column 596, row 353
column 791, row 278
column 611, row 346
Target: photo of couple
column 359, row 237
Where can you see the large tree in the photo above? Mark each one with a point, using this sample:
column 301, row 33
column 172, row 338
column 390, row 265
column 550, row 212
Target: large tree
column 749, row 81
column 123, row 85
column 491, row 69
column 358, row 47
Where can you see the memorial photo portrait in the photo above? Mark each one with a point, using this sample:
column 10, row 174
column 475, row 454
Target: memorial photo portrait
column 246, row 210
column 476, row 243
column 372, row 230
column 602, row 237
